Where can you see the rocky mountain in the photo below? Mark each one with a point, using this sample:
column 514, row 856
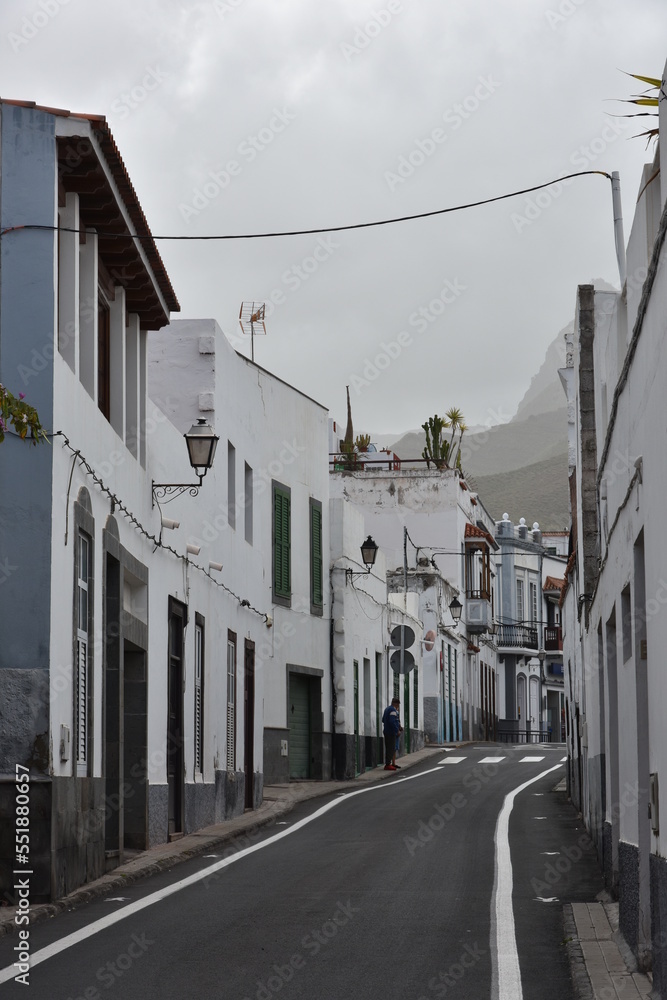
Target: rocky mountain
column 520, row 467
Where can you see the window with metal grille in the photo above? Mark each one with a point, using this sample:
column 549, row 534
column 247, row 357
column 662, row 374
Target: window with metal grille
column 81, row 713
column 231, row 701
column 199, row 694
column 316, row 587
column 281, row 543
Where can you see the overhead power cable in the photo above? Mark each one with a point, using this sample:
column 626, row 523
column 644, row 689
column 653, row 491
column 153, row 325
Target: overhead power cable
column 326, row 229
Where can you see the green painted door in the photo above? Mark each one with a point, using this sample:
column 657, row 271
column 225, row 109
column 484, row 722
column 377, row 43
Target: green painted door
column 406, row 713
column 357, row 741
column 299, row 726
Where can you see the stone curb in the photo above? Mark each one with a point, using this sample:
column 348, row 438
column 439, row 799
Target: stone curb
column 267, row 813
column 582, row 983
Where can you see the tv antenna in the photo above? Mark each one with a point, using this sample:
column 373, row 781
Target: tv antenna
column 251, row 321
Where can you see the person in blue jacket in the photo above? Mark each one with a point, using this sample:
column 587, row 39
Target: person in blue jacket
column 391, row 727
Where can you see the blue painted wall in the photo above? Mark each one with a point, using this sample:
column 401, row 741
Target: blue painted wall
column 27, row 303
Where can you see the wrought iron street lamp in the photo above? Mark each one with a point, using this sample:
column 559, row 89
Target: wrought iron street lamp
column 201, row 441
column 456, row 609
column 369, row 551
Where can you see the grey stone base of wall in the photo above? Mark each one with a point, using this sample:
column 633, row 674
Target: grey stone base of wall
column 206, row 803
column 607, row 862
column 229, row 795
column 417, row 741
column 276, row 767
column 658, row 875
column 345, row 754
column 628, row 893
column 77, row 834
column 66, row 836
column 158, row 814
column 257, row 789
column 431, row 729
column 40, row 839
column 596, row 772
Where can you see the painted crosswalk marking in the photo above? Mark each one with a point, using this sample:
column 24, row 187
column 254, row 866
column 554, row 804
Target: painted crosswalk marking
column 491, row 760
column 452, row 760
column 563, row 759
column 525, row 759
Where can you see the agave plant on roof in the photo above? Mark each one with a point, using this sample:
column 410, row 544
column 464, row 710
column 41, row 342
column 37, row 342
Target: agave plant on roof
column 646, row 100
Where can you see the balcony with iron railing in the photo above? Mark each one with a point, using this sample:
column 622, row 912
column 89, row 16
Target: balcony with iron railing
column 518, row 636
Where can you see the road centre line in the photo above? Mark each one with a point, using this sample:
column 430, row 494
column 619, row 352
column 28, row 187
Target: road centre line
column 506, row 971
column 141, row 904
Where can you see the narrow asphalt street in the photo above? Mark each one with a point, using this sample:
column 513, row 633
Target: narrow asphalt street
column 384, row 891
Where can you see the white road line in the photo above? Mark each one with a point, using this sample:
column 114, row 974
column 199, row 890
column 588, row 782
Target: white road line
column 141, row 904
column 525, row 760
column 563, row 759
column 491, row 760
column 453, row 760
column 506, row 972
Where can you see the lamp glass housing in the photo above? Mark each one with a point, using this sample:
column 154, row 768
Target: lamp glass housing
column 369, row 551
column 456, row 609
column 202, row 441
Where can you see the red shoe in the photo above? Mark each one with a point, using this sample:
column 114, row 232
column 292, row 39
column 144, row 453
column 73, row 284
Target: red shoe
column 390, row 767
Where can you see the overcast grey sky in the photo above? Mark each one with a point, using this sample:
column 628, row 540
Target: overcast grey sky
column 241, row 116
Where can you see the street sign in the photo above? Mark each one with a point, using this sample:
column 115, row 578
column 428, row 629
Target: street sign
column 401, row 660
column 408, row 661
column 404, row 633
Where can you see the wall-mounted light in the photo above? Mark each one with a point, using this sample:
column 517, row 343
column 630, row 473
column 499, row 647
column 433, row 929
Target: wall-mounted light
column 369, row 551
column 201, row 441
column 193, row 550
column 167, row 522
column 215, row 565
column 456, row 608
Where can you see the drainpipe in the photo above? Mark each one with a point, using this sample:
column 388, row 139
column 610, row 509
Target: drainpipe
column 618, row 226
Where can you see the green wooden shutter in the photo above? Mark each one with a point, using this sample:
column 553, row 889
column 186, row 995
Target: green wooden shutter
column 316, row 555
column 281, row 551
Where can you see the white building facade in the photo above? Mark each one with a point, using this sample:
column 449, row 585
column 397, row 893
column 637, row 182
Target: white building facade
column 162, row 654
column 432, row 515
column 614, row 609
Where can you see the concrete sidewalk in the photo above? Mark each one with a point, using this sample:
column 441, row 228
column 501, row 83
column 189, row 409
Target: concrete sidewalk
column 278, row 801
column 597, row 949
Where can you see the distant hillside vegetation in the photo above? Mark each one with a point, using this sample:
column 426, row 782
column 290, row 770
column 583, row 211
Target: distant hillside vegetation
column 503, row 446
column 537, row 492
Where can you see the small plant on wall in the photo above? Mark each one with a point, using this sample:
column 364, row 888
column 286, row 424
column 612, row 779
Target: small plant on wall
column 23, row 417
column 362, row 442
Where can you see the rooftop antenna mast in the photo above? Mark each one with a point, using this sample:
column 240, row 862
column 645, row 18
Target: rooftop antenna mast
column 251, row 321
